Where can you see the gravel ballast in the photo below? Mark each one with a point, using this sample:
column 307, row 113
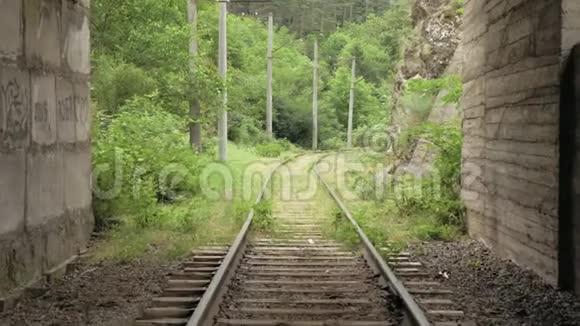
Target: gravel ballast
column 493, row 291
column 111, row 295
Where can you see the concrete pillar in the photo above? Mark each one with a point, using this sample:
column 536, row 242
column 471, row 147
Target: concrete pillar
column 45, row 196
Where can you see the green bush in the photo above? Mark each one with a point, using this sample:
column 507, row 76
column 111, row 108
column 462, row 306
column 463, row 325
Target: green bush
column 273, row 148
column 245, row 130
column 336, row 142
column 142, row 158
column 459, row 6
column 437, row 232
column 448, row 141
column 431, row 87
column 344, row 231
column 239, row 210
column 263, row 219
column 438, row 193
column 116, row 83
column 376, row 136
column 414, row 208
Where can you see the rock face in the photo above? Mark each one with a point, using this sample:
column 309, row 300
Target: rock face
column 432, row 54
column 423, row 154
column 45, row 161
column 437, row 29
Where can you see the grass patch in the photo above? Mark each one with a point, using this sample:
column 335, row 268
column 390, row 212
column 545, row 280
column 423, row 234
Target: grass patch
column 335, row 225
column 409, row 211
column 342, row 230
column 263, row 219
column 177, row 227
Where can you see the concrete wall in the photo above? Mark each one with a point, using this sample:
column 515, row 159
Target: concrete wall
column 510, row 162
column 514, row 54
column 45, row 197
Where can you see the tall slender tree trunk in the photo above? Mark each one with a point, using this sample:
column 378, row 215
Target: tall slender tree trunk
column 366, row 9
column 301, row 23
column 194, row 105
column 351, row 6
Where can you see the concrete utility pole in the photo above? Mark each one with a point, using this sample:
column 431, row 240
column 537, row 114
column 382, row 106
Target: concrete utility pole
column 366, row 8
column 270, row 68
column 351, row 5
column 223, row 64
column 194, row 109
column 351, row 105
column 315, row 99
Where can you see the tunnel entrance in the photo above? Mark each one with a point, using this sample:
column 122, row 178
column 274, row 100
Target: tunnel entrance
column 569, row 231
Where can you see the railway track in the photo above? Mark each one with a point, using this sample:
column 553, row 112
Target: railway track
column 296, row 276
column 300, row 278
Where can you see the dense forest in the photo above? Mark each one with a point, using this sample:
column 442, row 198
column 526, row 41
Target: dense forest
column 143, row 85
column 303, row 17
column 140, row 50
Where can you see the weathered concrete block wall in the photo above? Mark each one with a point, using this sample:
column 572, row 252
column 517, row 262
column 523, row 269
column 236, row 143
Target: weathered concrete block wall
column 45, row 197
column 513, row 56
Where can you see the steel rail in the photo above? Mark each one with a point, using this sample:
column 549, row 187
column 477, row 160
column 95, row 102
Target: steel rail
column 414, row 312
column 209, row 301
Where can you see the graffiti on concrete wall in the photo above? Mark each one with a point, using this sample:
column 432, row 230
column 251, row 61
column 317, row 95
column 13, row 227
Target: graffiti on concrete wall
column 41, row 112
column 66, row 109
column 13, row 111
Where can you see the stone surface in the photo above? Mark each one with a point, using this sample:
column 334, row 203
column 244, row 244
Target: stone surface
column 77, row 179
column 45, row 187
column 10, row 26
column 43, row 114
column 42, row 32
column 14, row 108
column 12, row 186
column 66, row 114
column 75, row 40
column 55, row 248
column 82, row 110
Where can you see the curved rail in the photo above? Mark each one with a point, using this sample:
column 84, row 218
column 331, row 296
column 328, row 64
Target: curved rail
column 413, row 311
column 210, row 300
